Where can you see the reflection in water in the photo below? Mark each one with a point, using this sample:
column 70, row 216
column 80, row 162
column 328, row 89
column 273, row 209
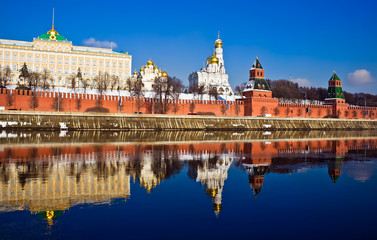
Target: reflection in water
column 49, row 179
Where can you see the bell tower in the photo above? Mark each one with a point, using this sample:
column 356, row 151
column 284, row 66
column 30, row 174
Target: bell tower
column 335, row 96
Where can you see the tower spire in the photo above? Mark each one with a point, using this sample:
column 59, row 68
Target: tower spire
column 53, row 15
column 218, row 34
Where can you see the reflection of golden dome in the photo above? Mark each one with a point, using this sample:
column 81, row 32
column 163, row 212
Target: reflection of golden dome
column 211, row 192
column 213, row 59
column 164, row 74
column 217, row 207
column 218, row 43
column 150, row 63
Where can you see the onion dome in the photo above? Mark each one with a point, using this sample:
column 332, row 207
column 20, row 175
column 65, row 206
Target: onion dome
column 150, row 63
column 142, row 69
column 164, row 74
column 159, row 71
column 135, row 73
column 155, row 67
column 213, row 59
column 218, row 43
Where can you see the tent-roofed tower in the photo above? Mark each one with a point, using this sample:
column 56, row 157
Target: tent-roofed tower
column 257, row 93
column 335, row 96
column 257, row 85
column 335, row 91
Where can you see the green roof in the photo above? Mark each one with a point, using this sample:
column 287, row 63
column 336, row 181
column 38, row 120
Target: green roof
column 46, row 36
column 335, row 91
column 257, row 64
column 334, row 77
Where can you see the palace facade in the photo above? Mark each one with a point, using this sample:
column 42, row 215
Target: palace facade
column 213, row 74
column 61, row 59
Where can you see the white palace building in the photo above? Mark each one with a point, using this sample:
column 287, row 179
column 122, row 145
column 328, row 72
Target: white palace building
column 213, row 74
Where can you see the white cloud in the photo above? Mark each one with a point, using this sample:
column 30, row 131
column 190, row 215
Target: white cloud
column 101, row 44
column 303, row 82
column 361, row 76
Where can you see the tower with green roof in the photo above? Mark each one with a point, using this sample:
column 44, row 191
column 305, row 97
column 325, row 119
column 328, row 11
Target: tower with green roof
column 335, row 96
column 335, row 92
column 257, row 95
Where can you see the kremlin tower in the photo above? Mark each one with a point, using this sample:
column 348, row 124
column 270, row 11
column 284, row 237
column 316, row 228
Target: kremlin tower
column 257, row 93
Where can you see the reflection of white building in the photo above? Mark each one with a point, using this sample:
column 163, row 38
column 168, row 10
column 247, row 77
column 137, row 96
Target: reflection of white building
column 212, row 173
column 148, row 74
column 213, row 74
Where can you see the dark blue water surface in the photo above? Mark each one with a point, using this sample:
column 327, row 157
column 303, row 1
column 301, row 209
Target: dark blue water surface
column 301, row 189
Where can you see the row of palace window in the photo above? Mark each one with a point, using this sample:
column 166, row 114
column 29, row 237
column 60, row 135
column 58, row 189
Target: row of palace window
column 66, row 60
column 59, row 70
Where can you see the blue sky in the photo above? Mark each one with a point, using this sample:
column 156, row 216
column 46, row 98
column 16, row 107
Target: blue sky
column 306, row 39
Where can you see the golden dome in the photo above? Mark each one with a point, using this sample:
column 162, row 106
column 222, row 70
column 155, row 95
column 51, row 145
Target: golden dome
column 142, row 69
column 213, row 59
column 135, row 73
column 150, row 63
column 164, row 74
column 155, row 67
column 218, row 43
column 53, row 31
column 159, row 71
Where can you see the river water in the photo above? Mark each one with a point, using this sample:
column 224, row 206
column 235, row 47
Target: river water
column 188, row 185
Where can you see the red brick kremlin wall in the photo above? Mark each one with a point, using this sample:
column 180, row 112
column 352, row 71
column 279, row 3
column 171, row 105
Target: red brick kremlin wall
column 256, row 107
column 23, row 99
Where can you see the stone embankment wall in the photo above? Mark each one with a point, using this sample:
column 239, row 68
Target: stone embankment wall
column 93, row 121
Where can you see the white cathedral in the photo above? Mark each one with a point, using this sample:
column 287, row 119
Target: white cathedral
column 213, row 74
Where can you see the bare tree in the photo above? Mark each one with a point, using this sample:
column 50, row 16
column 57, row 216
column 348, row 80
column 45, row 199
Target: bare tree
column 239, row 88
column 45, row 76
column 163, row 89
column 101, row 82
column 263, row 110
column 34, row 101
column 5, row 77
column 73, row 82
column 84, row 83
column 287, row 111
column 319, row 112
column 24, row 75
column 34, row 80
column 78, row 103
column 223, row 108
column 114, row 82
column 299, row 112
column 137, row 91
column 346, row 113
column 276, row 111
column 213, row 93
column 177, row 90
column 237, row 108
column 11, row 98
column 192, row 106
column 57, row 103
